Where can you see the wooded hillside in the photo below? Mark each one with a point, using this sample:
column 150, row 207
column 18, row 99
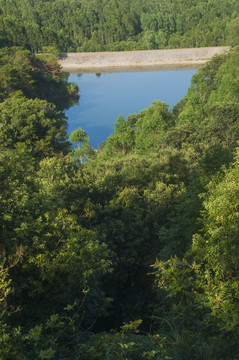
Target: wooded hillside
column 97, row 25
column 134, row 252
column 131, row 251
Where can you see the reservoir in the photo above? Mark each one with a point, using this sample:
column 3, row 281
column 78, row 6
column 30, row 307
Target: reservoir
column 103, row 97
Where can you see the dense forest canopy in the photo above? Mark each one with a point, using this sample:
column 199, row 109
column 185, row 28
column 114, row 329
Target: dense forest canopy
column 98, row 25
column 133, row 252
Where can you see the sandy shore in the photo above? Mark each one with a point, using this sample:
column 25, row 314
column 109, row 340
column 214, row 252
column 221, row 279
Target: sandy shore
column 138, row 60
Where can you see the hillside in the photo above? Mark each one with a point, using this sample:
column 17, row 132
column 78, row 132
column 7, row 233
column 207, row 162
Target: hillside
column 116, row 25
column 132, row 253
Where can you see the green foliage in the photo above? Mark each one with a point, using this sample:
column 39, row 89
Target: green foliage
column 167, row 193
column 78, row 136
column 35, row 78
column 218, row 249
column 83, row 150
column 152, row 123
column 141, row 132
column 46, row 242
column 120, row 346
column 77, row 240
column 202, row 288
column 122, row 141
column 132, row 326
column 113, row 25
column 34, row 124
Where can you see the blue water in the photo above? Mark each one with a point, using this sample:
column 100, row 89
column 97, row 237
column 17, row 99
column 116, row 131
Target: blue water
column 103, row 98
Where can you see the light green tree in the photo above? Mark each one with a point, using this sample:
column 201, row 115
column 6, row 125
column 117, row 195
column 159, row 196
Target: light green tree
column 83, row 148
column 122, row 141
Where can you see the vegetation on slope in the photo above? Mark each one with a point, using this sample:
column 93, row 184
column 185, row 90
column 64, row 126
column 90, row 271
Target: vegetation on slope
column 132, row 253
column 98, row 25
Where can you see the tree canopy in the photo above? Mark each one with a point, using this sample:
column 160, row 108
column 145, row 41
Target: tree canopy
column 129, row 251
column 98, row 25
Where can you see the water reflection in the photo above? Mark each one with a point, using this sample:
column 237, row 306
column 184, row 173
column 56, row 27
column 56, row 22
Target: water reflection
column 103, row 97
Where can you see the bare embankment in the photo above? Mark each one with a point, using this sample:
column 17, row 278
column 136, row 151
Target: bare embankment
column 136, row 60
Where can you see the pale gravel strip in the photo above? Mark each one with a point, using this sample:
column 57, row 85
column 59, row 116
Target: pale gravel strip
column 114, row 61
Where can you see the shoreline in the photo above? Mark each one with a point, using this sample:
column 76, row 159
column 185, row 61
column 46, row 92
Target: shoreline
column 139, row 60
column 132, row 68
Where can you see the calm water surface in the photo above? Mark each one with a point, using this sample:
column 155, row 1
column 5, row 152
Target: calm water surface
column 105, row 96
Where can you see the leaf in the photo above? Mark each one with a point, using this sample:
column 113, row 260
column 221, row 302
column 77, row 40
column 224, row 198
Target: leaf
column 47, row 354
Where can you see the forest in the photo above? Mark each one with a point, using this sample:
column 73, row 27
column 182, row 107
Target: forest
column 129, row 251
column 108, row 25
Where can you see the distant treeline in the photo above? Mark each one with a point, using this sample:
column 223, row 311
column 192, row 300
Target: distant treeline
column 98, row 25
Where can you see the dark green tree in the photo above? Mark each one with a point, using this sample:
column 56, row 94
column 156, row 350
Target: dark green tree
column 34, row 124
